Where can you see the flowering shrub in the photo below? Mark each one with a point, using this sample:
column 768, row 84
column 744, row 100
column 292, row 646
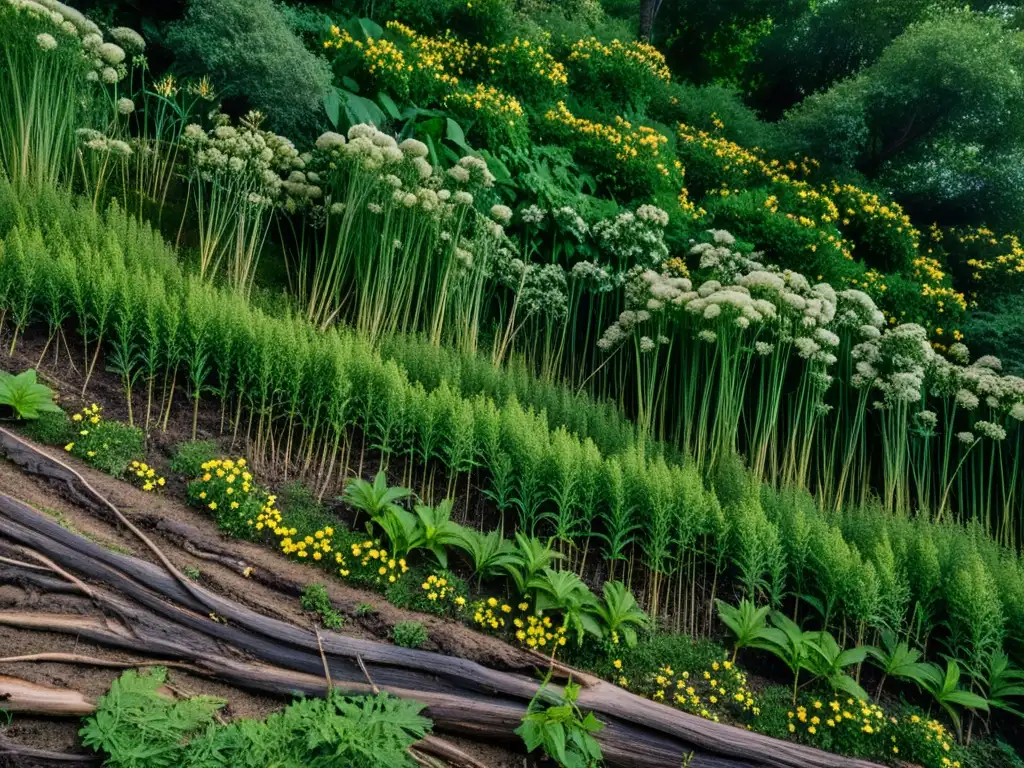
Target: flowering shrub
column 636, row 159
column 863, row 729
column 498, row 118
column 885, row 237
column 384, row 62
column 642, row 55
column 796, row 241
column 717, row 693
column 145, row 476
column 833, row 222
column 619, row 74
column 984, row 263
column 423, row 67
column 110, row 446
column 227, row 489
column 523, row 67
column 440, row 593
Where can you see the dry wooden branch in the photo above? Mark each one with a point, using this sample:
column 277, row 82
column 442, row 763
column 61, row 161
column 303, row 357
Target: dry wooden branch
column 96, row 661
column 19, row 756
column 17, row 695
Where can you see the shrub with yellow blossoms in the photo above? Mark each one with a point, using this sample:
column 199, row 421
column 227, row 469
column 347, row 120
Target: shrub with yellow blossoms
column 496, row 115
column 227, row 489
column 983, row 263
column 432, row 68
column 523, row 65
column 720, row 692
column 145, row 476
column 637, row 158
column 638, row 55
column 383, row 61
column 109, row 446
column 850, row 726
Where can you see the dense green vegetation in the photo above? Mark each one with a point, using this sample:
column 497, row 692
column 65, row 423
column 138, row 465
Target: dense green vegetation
column 536, row 271
column 136, row 726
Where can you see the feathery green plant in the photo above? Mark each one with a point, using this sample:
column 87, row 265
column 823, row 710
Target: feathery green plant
column 136, row 727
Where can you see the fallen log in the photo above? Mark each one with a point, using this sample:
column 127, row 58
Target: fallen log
column 19, row 756
column 462, row 696
column 17, row 695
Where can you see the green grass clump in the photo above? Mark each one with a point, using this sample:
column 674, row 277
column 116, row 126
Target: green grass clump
column 409, row 634
column 50, row 429
column 315, row 600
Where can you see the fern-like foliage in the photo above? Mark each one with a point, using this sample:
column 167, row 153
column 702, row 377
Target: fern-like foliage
column 138, row 728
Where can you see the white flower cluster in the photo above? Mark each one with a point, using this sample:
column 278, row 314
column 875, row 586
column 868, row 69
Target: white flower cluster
column 501, row 214
column 71, row 27
column 758, row 300
column 128, row 39
column 533, row 214
column 896, row 363
column 720, row 260
column 597, row 278
column 63, row 17
column 542, row 288
column 634, row 238
column 856, row 312
column 396, row 178
column 472, row 172
column 903, row 367
column 544, row 292
column 401, row 170
column 249, row 162
column 570, row 222
column 94, row 141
